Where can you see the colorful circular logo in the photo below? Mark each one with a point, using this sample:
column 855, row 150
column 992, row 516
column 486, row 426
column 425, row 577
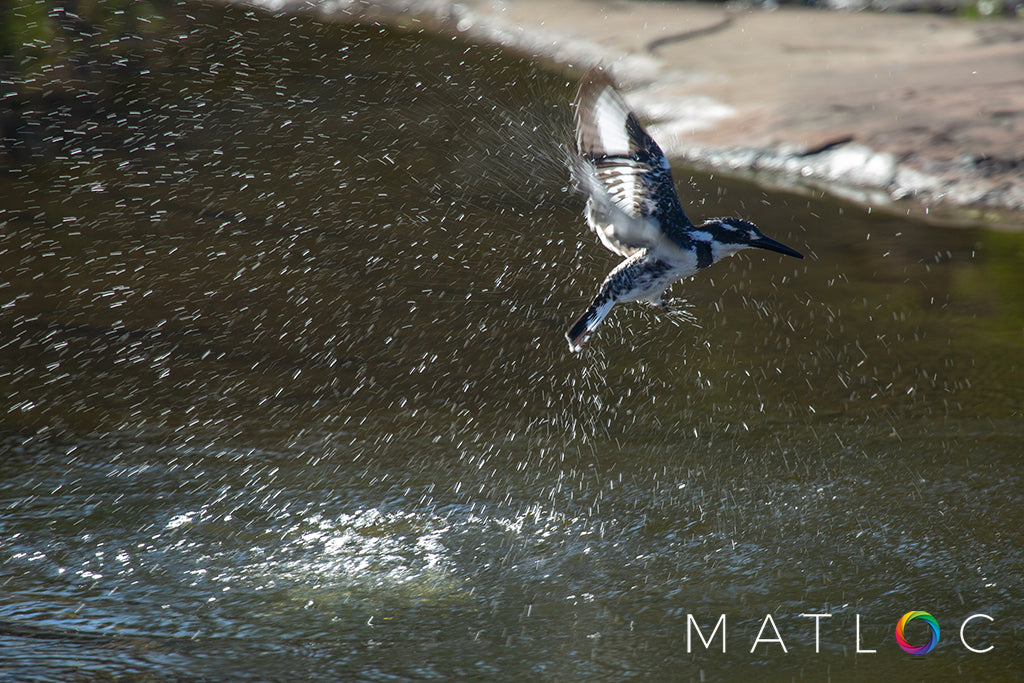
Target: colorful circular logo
column 933, row 638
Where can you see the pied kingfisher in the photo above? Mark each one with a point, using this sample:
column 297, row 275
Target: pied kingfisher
column 634, row 209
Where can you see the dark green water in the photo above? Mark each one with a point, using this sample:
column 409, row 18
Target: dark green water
column 285, row 395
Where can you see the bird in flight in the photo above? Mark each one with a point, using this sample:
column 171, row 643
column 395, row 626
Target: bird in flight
column 633, row 207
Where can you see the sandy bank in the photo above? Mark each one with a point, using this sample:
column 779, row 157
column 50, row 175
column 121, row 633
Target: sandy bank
column 914, row 112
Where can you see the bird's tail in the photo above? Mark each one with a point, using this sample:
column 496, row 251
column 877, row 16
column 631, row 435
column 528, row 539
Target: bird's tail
column 618, row 286
column 588, row 322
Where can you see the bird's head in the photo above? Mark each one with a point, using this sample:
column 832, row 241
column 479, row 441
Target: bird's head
column 730, row 235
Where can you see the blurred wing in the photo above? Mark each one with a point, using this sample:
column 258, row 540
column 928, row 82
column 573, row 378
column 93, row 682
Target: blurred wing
column 633, row 202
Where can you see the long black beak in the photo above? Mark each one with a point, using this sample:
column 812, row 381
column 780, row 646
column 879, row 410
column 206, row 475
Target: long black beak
column 768, row 243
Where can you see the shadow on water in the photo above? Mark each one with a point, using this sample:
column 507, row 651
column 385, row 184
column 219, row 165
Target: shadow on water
column 285, row 394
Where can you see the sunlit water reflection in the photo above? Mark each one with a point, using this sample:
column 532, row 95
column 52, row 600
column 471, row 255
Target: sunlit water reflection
column 286, row 395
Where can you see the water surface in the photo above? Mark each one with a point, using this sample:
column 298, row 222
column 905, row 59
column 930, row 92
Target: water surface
column 285, row 395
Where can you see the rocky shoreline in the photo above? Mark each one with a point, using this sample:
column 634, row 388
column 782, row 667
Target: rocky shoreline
column 913, row 113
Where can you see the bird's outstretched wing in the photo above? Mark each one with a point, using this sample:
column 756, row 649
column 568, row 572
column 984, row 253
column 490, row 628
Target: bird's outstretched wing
column 633, row 203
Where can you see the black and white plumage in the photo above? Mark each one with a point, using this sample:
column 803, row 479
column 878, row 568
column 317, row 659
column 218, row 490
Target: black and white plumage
column 633, row 207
